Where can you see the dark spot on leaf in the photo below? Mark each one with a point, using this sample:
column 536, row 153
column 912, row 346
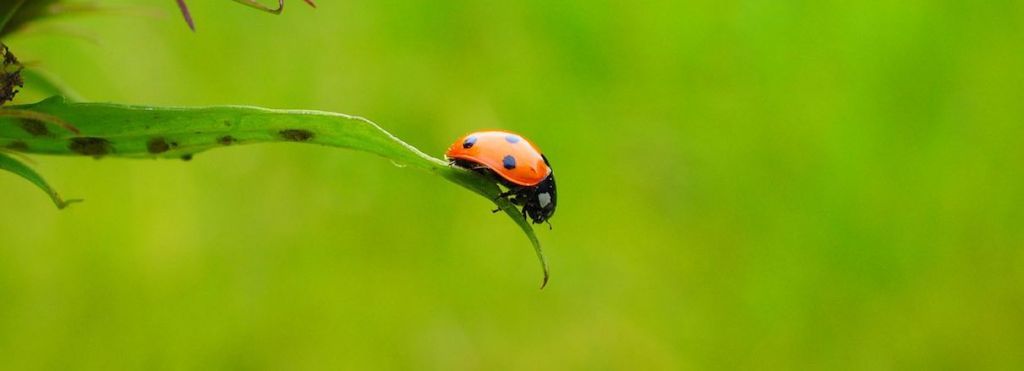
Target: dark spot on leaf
column 157, row 145
column 90, row 146
column 227, row 123
column 296, row 135
column 34, row 128
column 187, row 157
column 174, row 144
column 226, row 140
column 17, row 146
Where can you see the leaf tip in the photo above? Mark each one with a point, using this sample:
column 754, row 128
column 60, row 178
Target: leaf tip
column 63, row 204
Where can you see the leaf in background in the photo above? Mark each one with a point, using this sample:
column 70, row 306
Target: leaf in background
column 7, row 10
column 180, row 132
column 34, row 10
column 10, row 164
column 47, row 84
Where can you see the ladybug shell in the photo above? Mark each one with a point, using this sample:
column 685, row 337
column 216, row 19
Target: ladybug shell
column 507, row 154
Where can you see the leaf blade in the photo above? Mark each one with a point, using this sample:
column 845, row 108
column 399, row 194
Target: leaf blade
column 172, row 132
column 7, row 12
column 49, row 84
column 18, row 168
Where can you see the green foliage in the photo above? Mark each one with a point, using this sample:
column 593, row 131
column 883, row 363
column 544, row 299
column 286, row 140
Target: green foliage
column 102, row 130
column 22, row 170
column 769, row 185
column 46, row 83
column 16, row 15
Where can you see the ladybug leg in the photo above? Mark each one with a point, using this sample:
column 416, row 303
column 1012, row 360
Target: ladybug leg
column 508, row 195
column 504, row 195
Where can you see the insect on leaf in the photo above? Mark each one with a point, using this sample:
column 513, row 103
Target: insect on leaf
column 113, row 130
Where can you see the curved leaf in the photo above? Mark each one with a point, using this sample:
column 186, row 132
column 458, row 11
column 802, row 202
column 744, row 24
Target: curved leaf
column 10, row 164
column 7, row 10
column 173, row 132
column 48, row 84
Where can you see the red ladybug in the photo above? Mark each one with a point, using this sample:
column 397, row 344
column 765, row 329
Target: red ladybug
column 516, row 163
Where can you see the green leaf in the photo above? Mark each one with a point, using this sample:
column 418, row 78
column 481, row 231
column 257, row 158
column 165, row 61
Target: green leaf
column 10, row 164
column 179, row 132
column 18, row 13
column 46, row 83
column 7, row 11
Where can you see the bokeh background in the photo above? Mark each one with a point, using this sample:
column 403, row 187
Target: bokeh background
column 743, row 185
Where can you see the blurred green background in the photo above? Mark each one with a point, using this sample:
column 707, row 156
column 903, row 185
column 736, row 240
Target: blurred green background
column 743, row 185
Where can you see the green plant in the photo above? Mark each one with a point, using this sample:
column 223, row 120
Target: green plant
column 56, row 126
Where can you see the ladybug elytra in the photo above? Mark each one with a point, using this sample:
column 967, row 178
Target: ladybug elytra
column 514, row 162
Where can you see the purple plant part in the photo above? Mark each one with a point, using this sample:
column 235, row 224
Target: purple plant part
column 252, row 3
column 186, row 14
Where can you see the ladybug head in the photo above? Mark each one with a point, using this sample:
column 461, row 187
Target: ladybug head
column 540, row 201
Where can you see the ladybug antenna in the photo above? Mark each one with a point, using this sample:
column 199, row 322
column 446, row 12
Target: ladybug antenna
column 549, row 224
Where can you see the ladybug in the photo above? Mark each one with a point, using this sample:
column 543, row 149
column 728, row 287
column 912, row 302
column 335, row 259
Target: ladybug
column 515, row 163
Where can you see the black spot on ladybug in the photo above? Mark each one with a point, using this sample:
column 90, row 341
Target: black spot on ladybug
column 89, row 146
column 509, row 162
column 296, row 135
column 157, row 145
column 17, row 146
column 469, row 142
column 226, row 140
column 34, row 128
column 512, row 139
